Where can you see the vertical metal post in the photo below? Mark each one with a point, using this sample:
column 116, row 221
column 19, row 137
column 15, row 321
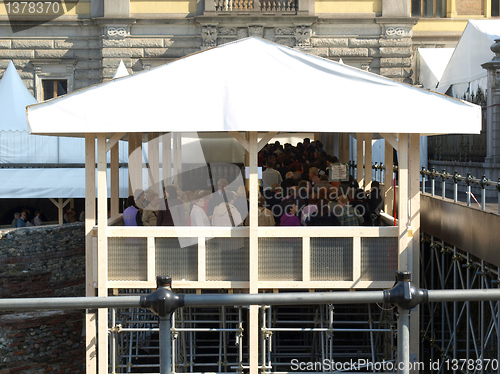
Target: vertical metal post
column 404, row 341
column 165, row 345
column 455, row 186
column 467, row 303
column 498, row 189
column 433, row 182
column 468, row 180
column 443, row 178
column 113, row 340
column 455, row 306
column 482, row 315
column 423, row 179
column 483, row 192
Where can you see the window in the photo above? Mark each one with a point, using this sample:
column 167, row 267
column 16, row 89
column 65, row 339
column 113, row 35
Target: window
column 54, row 88
column 428, row 8
column 495, row 8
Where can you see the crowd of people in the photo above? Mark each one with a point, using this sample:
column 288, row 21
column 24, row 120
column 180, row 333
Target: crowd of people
column 24, row 219
column 295, row 190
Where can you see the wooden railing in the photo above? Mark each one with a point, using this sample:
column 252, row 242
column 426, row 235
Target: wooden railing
column 218, row 257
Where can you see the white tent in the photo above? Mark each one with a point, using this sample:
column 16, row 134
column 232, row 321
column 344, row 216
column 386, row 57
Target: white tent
column 432, row 63
column 464, row 72
column 121, row 71
column 253, row 84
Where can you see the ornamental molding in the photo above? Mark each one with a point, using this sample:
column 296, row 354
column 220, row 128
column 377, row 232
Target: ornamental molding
column 398, row 31
column 303, row 36
column 209, row 35
column 285, row 31
column 227, row 31
column 257, row 31
column 116, row 31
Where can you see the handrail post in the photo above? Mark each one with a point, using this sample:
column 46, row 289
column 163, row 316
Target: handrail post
column 468, row 180
column 443, row 178
column 422, row 172
column 482, row 183
column 498, row 189
column 455, row 186
column 433, row 181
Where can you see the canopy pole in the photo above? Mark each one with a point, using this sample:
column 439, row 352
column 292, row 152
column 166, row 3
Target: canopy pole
column 90, row 317
column 254, row 252
column 359, row 158
column 368, row 161
column 115, row 181
column 388, row 177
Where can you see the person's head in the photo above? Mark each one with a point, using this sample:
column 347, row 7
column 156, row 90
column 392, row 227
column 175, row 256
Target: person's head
column 262, row 201
column 222, row 184
column 289, row 175
column 24, row 214
column 170, row 192
column 242, row 192
column 130, row 201
column 313, row 171
column 323, row 208
column 231, row 196
column 38, row 212
column 343, row 200
column 376, row 185
column 293, row 168
column 269, row 163
column 17, row 215
column 291, row 208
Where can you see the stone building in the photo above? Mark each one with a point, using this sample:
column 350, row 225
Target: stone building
column 71, row 45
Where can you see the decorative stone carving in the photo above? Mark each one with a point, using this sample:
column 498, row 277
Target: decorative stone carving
column 495, row 48
column 303, row 36
column 285, row 31
column 257, row 31
column 209, row 35
column 117, row 32
column 398, row 31
column 225, row 31
column 242, row 33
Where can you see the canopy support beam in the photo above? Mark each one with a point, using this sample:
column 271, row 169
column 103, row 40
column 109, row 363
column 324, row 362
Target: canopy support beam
column 240, row 139
column 391, row 139
column 114, row 140
column 265, row 139
column 60, row 206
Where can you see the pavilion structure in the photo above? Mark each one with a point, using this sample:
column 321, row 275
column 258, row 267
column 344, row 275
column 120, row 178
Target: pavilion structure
column 252, row 89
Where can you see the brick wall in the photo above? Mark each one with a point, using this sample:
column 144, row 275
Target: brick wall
column 42, row 262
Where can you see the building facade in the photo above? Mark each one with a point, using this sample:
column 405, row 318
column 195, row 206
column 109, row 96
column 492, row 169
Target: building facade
column 75, row 44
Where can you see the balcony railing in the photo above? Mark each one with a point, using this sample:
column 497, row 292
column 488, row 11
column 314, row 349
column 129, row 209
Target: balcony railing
column 255, row 5
column 218, row 257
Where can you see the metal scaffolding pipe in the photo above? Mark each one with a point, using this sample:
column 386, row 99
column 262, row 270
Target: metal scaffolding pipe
column 70, row 303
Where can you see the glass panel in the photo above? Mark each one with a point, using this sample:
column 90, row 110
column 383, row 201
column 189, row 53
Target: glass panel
column 227, row 259
column 127, row 259
column 48, row 89
column 62, row 87
column 428, row 8
column 331, row 259
column 179, row 263
column 280, row 259
column 495, row 11
column 416, row 6
column 379, row 258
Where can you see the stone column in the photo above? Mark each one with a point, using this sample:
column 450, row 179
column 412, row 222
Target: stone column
column 492, row 160
column 493, row 107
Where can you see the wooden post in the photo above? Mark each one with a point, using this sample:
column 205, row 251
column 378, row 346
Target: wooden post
column 135, row 163
column 131, row 148
column 102, row 251
column 115, row 181
column 254, row 253
column 359, row 158
column 368, row 161
column 388, row 192
column 154, row 161
column 90, row 318
column 166, row 166
column 403, row 251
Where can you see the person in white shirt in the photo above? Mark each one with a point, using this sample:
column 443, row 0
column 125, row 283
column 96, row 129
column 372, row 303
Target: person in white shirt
column 198, row 217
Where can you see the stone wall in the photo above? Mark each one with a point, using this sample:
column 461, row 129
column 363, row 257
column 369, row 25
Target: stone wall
column 42, row 261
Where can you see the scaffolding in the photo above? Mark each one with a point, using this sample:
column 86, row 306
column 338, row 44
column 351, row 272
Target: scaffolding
column 215, row 339
column 463, row 335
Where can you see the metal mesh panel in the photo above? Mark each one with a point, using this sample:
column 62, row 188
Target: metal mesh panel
column 379, row 258
column 127, row 259
column 227, row 259
column 331, row 259
column 179, row 263
column 280, row 259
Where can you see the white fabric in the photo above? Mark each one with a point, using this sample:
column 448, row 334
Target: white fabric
column 432, row 64
column 14, row 97
column 121, row 71
column 253, row 84
column 464, row 71
column 50, row 183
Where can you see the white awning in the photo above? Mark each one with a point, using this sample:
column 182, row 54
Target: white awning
column 253, row 85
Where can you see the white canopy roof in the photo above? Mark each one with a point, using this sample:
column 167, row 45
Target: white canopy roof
column 253, row 84
column 432, row 64
column 14, row 97
column 464, row 71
